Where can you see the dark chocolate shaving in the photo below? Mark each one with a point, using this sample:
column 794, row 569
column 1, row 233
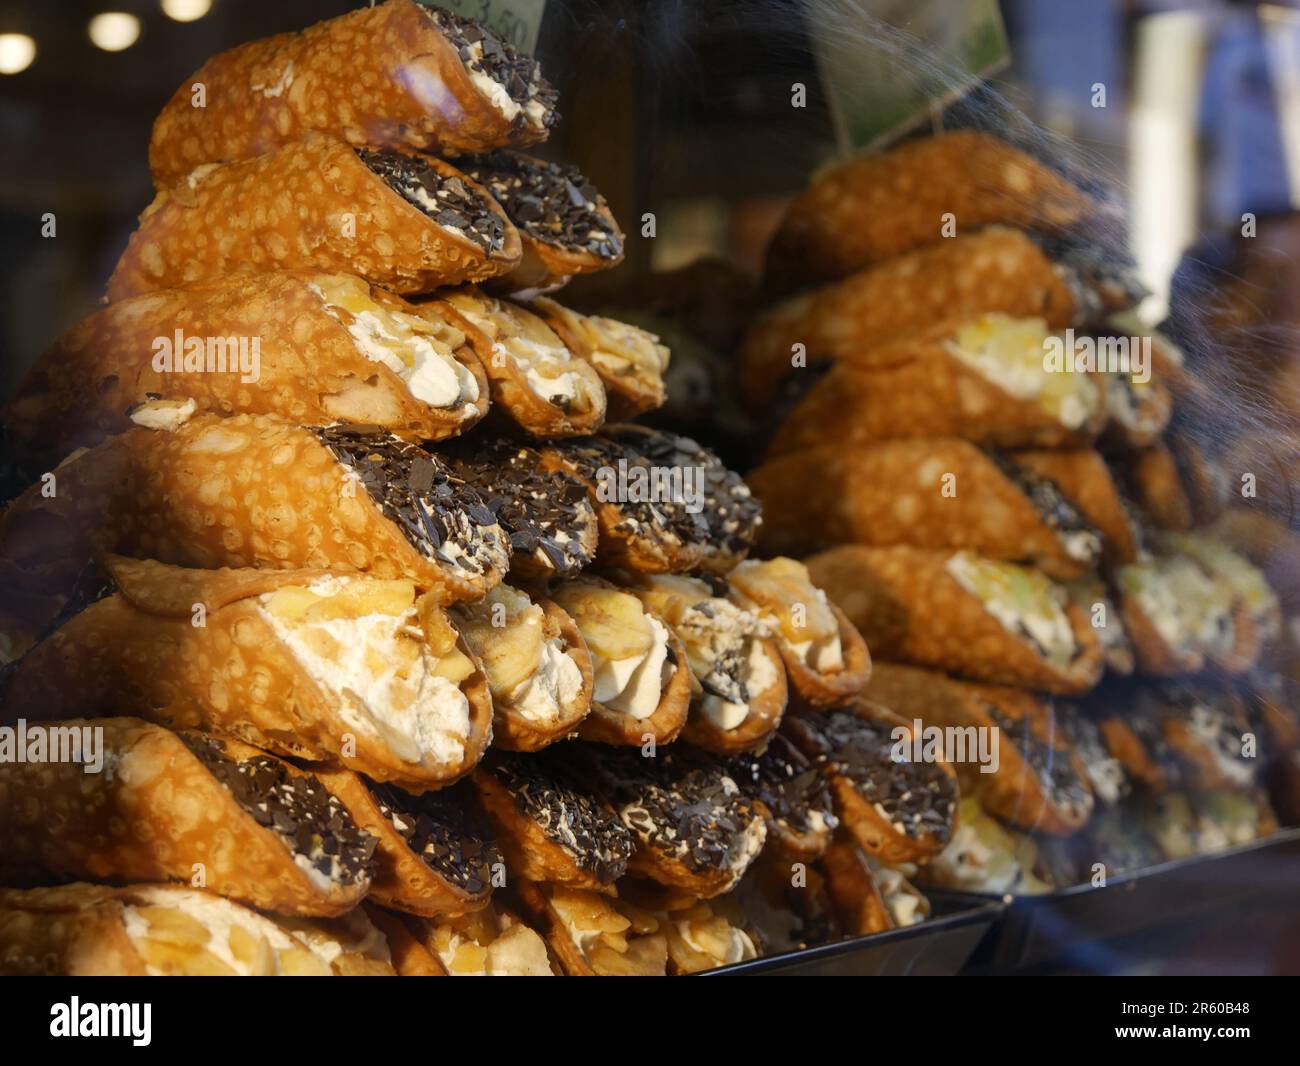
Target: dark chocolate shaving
column 442, row 517
column 444, row 198
column 446, row 829
column 731, row 512
column 520, row 75
column 545, row 514
column 1050, row 765
column 917, row 798
column 1058, row 514
column 794, row 792
column 313, row 823
column 587, row 829
column 551, row 202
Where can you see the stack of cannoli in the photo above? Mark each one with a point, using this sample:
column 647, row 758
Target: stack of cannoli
column 1008, row 529
column 388, row 643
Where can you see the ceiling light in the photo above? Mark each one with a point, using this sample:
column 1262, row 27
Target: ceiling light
column 114, row 31
column 17, row 51
column 186, row 10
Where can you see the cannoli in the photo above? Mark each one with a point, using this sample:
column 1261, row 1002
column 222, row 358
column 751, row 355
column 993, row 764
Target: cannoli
column 1205, row 730
column 353, row 942
column 400, row 75
column 895, row 807
column 983, row 379
column 255, row 491
column 986, row 856
column 1151, row 479
column 564, row 224
column 409, row 223
column 537, row 665
column 1268, row 543
column 732, row 517
column 630, row 360
column 83, row 930
column 1085, row 481
column 860, row 907
column 410, row 957
column 550, row 828
column 595, row 934
column 436, row 854
column 980, row 619
column 702, row 934
column 738, row 685
column 252, row 827
column 492, row 942
column 787, row 906
column 313, row 349
column 1137, row 412
column 1032, row 779
column 646, row 524
column 641, row 681
column 694, row 828
column 906, row 904
column 546, row 515
column 539, row 384
column 1178, row 616
column 1106, row 774
column 863, row 319
column 1257, row 615
column 303, row 663
column 876, row 206
column 1091, row 595
column 826, row 659
column 794, row 796
column 943, row 493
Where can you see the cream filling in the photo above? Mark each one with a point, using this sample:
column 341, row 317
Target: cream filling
column 533, row 109
column 1010, row 353
column 747, row 846
column 554, row 686
column 904, row 903
column 167, row 415
column 824, row 655
column 634, row 686
column 1181, row 602
column 757, row 675
column 516, row 952
column 969, row 863
column 402, row 343
column 1205, row 725
column 422, row 718
column 1006, row 593
column 218, row 917
column 740, row 948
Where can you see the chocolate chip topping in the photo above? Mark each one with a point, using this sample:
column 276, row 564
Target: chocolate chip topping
column 446, row 829
column 587, row 829
column 545, row 514
column 1057, row 513
column 782, row 779
column 594, row 458
column 313, row 824
column 446, row 199
column 520, row 75
column 731, row 513
column 1050, row 765
column 1096, row 266
column 551, row 202
column 680, row 803
column 916, row 798
column 442, row 517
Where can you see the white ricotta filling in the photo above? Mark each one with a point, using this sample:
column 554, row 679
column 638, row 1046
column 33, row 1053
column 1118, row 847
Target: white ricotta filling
column 422, row 718
column 634, row 686
column 739, row 946
column 166, row 415
column 554, row 686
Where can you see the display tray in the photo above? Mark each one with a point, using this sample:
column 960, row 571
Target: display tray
column 939, row 947
column 1073, row 925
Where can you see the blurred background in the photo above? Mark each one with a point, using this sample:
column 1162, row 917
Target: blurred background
column 684, row 109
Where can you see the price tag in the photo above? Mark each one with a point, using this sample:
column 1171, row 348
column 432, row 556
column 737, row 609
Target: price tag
column 516, row 22
column 888, row 71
